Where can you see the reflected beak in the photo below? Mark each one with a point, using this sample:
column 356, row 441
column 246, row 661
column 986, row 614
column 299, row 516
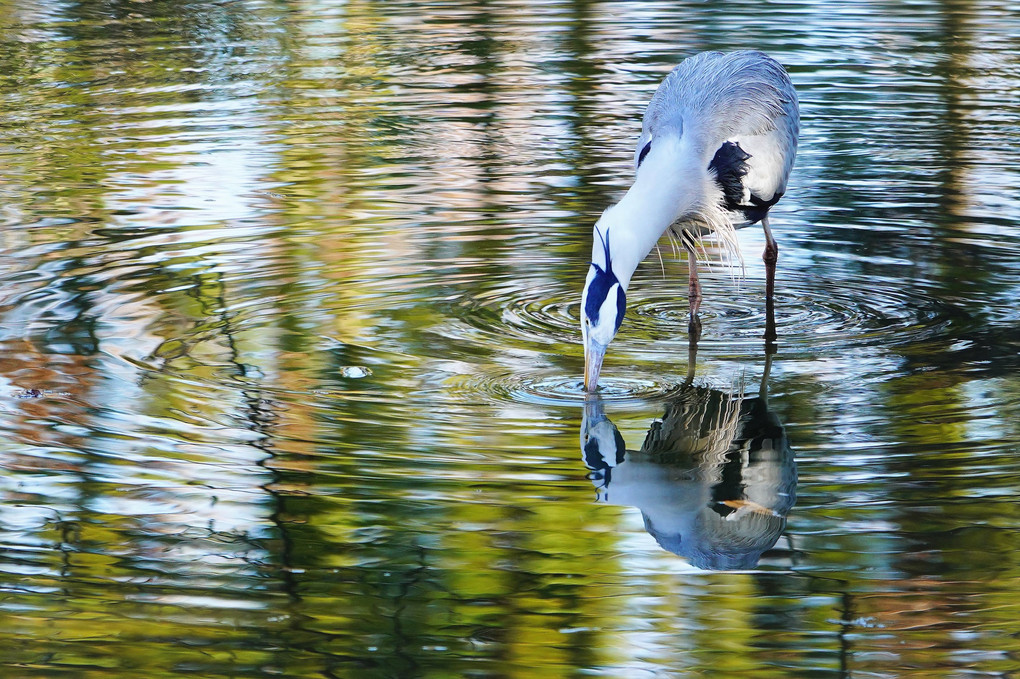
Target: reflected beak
column 594, row 412
column 593, row 354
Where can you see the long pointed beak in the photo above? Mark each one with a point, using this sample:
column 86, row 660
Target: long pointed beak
column 593, row 355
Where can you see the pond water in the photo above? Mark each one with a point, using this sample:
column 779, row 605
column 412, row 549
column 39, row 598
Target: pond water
column 290, row 366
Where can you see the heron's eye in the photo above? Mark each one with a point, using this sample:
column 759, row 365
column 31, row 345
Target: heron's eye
column 644, row 152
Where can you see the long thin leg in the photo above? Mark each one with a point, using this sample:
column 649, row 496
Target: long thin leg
column 693, row 292
column 770, row 257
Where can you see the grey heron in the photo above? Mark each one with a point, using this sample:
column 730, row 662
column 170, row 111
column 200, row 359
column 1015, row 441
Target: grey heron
column 717, row 145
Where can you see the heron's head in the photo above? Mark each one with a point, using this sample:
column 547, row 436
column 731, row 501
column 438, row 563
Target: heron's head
column 602, row 305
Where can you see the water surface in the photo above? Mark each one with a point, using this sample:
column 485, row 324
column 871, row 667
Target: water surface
column 290, row 368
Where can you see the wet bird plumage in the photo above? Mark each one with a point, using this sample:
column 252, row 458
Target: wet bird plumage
column 717, row 145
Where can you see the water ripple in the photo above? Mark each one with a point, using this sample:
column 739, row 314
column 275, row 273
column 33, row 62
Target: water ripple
column 810, row 314
column 531, row 314
column 558, row 389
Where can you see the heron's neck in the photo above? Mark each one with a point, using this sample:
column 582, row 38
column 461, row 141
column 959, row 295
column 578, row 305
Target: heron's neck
column 667, row 187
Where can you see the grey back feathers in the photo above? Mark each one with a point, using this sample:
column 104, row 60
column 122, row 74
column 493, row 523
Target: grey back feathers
column 738, row 112
column 722, row 95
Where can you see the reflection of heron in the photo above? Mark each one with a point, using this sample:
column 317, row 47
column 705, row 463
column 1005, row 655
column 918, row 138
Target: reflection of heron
column 714, row 478
column 716, row 147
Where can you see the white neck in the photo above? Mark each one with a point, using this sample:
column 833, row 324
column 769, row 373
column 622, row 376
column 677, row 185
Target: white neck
column 669, row 185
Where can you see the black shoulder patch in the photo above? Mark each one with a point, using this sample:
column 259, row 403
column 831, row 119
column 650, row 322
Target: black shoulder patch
column 758, row 208
column 730, row 165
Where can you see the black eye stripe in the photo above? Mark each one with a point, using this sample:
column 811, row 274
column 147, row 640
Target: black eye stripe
column 598, row 291
column 644, row 152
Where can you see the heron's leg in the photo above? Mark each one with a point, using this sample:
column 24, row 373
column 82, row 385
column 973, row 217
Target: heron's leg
column 693, row 292
column 770, row 256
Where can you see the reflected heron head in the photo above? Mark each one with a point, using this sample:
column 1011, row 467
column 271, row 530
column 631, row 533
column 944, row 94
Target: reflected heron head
column 602, row 446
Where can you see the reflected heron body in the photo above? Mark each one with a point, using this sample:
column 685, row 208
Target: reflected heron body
column 717, row 145
column 714, row 479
